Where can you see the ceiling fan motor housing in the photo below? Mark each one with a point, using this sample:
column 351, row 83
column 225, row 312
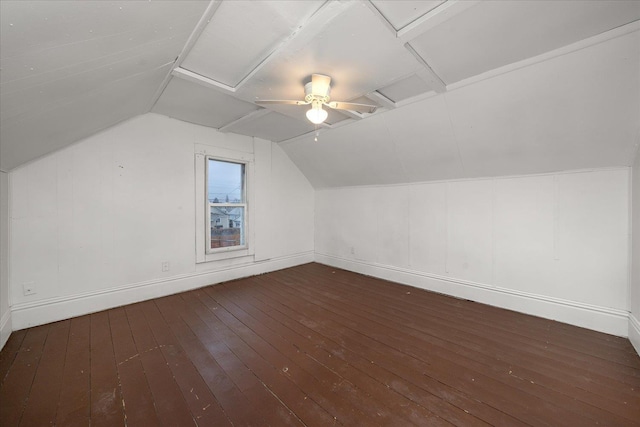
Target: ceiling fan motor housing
column 310, row 95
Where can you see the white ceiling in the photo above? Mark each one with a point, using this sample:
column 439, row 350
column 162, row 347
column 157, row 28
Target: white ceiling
column 466, row 88
column 72, row 68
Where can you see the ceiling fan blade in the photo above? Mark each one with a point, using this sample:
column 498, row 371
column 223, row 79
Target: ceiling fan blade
column 361, row 108
column 280, row 101
column 320, row 84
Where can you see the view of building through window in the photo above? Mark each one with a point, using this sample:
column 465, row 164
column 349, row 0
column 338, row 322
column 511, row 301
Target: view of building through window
column 227, row 203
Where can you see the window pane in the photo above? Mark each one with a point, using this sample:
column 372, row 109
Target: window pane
column 227, row 226
column 225, row 182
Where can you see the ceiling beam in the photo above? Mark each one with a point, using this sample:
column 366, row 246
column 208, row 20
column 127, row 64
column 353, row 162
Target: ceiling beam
column 352, row 114
column 191, row 41
column 190, row 76
column 426, row 73
column 433, row 18
column 388, row 25
column 326, row 13
column 198, row 30
column 382, row 100
column 417, row 98
column 436, row 16
column 302, row 34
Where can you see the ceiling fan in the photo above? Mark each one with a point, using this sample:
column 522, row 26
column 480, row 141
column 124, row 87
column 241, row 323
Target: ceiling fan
column 317, row 93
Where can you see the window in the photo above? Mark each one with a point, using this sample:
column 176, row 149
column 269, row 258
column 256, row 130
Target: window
column 226, row 196
column 224, row 203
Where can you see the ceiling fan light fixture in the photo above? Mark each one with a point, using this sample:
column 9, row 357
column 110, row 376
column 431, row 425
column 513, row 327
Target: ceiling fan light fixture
column 317, row 92
column 316, row 114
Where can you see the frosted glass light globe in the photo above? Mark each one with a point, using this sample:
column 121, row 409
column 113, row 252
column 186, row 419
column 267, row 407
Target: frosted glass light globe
column 316, row 114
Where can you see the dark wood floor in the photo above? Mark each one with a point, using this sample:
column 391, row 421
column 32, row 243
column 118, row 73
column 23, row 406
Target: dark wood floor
column 316, row 346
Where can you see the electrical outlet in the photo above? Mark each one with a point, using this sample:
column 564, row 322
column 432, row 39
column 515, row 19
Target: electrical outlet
column 29, row 288
column 165, row 266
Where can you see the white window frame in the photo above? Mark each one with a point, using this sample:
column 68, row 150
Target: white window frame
column 242, row 205
column 204, row 253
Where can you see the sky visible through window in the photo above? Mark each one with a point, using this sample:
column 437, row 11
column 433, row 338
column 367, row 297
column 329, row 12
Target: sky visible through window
column 225, row 181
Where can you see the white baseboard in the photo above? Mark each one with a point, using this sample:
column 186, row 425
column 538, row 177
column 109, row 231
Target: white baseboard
column 634, row 332
column 5, row 328
column 26, row 315
column 602, row 319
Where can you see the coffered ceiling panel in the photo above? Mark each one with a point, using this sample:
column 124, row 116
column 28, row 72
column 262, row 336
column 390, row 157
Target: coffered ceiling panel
column 496, row 33
column 193, row 103
column 346, row 41
column 405, row 88
column 272, row 126
column 241, row 34
column 466, row 88
column 299, row 113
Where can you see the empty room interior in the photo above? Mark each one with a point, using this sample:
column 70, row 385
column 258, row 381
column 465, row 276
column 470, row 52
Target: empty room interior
column 313, row 213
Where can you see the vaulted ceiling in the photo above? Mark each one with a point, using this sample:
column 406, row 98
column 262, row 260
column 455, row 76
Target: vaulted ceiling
column 465, row 88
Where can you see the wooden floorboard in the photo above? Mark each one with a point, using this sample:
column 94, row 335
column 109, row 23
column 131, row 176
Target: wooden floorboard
column 41, row 406
column 106, row 407
column 73, row 405
column 316, row 346
column 456, row 373
column 16, row 387
column 443, row 353
column 482, row 338
column 10, row 351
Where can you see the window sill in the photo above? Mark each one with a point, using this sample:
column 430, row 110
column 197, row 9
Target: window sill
column 225, row 254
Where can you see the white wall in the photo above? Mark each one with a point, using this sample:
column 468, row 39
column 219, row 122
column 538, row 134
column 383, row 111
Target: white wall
column 634, row 288
column 92, row 224
column 5, row 313
column 552, row 245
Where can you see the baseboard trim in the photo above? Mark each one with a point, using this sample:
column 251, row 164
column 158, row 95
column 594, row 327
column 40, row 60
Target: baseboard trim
column 31, row 314
column 634, row 332
column 602, row 319
column 5, row 328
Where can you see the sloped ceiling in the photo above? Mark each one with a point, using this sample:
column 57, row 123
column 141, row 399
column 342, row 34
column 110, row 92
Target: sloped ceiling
column 465, row 88
column 72, row 68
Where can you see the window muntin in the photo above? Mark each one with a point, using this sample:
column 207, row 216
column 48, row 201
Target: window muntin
column 226, row 205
